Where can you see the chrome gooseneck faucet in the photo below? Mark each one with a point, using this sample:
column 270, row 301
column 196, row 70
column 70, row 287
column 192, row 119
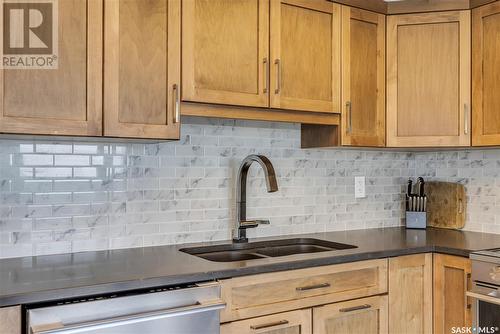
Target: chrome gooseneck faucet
column 240, row 233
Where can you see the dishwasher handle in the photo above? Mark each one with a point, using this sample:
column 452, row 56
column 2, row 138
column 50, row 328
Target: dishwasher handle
column 131, row 319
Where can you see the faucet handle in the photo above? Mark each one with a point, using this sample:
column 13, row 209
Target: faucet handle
column 262, row 221
column 253, row 223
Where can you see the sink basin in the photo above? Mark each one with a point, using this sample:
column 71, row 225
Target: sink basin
column 230, row 256
column 262, row 249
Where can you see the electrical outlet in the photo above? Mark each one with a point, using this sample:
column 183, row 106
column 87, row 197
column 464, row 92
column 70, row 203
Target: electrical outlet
column 359, row 187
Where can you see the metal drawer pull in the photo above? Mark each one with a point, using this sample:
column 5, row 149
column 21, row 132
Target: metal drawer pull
column 177, row 108
column 466, row 119
column 134, row 318
column 355, row 308
column 348, row 106
column 312, row 287
column 278, row 76
column 272, row 324
column 266, row 77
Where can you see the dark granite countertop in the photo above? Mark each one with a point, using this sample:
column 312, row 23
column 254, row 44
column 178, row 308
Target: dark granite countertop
column 54, row 277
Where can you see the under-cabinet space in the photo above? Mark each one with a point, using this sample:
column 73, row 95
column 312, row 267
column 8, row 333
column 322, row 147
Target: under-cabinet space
column 141, row 69
column 428, row 79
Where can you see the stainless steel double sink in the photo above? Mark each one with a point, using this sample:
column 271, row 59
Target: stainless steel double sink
column 264, row 249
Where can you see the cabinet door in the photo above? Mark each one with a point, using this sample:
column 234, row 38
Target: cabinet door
column 305, row 55
column 451, row 280
column 428, row 79
column 141, row 68
column 486, row 75
column 363, row 77
column 10, row 320
column 367, row 316
column 66, row 100
column 410, row 294
column 295, row 322
column 225, row 50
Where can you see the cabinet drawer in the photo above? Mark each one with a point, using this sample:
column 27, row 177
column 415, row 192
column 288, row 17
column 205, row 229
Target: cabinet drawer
column 365, row 315
column 281, row 323
column 276, row 292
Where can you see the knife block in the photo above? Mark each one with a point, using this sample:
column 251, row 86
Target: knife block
column 416, row 219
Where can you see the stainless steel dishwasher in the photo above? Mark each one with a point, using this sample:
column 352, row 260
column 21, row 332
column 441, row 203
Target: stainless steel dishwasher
column 190, row 310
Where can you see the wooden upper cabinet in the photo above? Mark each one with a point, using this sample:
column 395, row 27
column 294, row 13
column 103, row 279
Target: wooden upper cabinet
column 486, row 75
column 141, row 68
column 428, row 79
column 294, row 322
column 366, row 315
column 363, row 77
column 66, row 100
column 451, row 281
column 225, row 50
column 305, row 55
column 410, row 294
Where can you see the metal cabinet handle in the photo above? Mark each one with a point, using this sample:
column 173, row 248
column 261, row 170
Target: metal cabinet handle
column 278, row 76
column 355, row 308
column 313, row 287
column 266, row 77
column 177, row 108
column 466, row 119
column 460, row 206
column 348, row 107
column 133, row 319
column 271, row 324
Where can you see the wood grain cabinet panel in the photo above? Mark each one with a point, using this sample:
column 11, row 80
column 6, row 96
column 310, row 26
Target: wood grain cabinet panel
column 141, row 68
column 428, row 79
column 225, row 50
column 294, row 322
column 10, row 320
column 410, row 294
column 305, row 55
column 366, row 315
column 363, row 77
column 263, row 294
column 66, row 100
column 451, row 281
column 486, row 75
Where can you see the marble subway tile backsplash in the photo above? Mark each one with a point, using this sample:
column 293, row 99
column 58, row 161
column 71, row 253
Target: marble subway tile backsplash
column 479, row 171
column 59, row 197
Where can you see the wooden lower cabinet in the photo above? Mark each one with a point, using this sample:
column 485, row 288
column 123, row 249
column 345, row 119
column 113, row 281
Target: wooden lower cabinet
column 366, row 315
column 451, row 280
column 294, row 322
column 10, row 320
column 258, row 295
column 410, row 294
column 420, row 294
